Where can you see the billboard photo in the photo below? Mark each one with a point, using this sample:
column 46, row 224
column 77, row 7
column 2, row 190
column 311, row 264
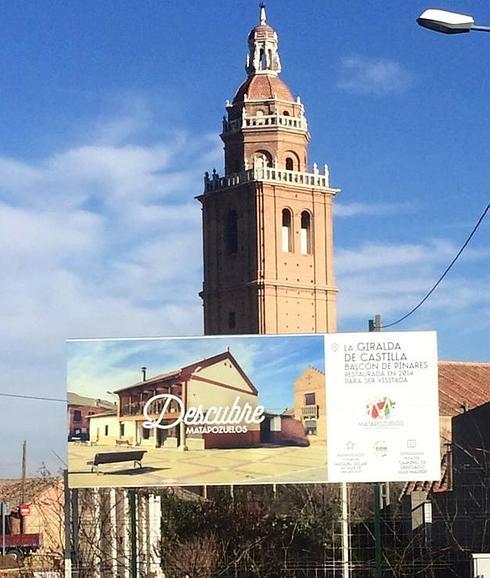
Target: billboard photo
column 195, row 411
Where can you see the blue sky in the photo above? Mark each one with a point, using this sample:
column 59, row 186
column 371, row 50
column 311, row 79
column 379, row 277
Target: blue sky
column 110, row 115
column 272, row 363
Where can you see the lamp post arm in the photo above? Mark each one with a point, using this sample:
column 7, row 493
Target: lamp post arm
column 481, row 28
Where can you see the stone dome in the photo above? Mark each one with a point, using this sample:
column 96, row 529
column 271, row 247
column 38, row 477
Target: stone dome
column 263, row 87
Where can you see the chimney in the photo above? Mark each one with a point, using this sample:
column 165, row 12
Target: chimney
column 143, row 374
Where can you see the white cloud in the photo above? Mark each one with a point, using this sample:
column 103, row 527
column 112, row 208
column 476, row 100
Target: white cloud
column 392, row 278
column 100, row 239
column 375, row 256
column 376, row 76
column 364, row 209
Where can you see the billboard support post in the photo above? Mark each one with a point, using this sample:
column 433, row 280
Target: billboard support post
column 68, row 528
column 133, row 532
column 377, row 530
column 3, row 506
column 376, row 326
column 345, row 532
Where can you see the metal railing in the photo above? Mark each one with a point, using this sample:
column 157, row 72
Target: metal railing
column 310, row 411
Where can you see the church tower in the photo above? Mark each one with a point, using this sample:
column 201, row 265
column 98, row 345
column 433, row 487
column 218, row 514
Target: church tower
column 267, row 222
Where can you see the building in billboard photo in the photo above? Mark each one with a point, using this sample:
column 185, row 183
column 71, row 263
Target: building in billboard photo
column 80, row 410
column 196, row 411
column 310, row 403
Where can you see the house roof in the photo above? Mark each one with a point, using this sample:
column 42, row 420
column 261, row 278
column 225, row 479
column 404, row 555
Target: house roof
column 113, row 412
column 12, row 491
column 462, row 385
column 75, row 399
column 186, row 371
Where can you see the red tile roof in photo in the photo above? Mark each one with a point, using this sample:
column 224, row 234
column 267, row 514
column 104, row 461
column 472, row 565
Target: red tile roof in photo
column 462, row 385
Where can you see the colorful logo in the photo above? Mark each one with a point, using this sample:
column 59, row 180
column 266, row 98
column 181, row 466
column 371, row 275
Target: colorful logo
column 380, row 408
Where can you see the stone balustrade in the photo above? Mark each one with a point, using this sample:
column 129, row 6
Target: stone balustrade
column 261, row 121
column 271, row 174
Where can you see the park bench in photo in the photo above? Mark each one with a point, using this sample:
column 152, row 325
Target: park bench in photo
column 123, row 442
column 134, row 456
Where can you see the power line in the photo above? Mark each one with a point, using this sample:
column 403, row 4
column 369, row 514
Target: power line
column 60, row 459
column 18, row 395
column 448, row 268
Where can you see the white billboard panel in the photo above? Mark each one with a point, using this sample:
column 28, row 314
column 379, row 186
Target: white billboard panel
column 382, row 407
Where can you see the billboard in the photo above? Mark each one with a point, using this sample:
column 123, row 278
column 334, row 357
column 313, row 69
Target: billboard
column 383, row 411
column 194, row 411
column 252, row 409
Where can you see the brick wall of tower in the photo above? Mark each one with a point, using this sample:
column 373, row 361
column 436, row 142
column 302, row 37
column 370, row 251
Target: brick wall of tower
column 268, row 290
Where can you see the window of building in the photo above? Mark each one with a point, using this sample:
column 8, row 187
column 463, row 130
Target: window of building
column 287, row 234
column 231, row 320
column 77, row 415
column 291, row 161
column 262, row 159
column 106, row 430
column 305, row 233
column 146, row 433
column 263, row 60
column 310, row 399
column 121, row 429
column 310, row 426
column 231, row 232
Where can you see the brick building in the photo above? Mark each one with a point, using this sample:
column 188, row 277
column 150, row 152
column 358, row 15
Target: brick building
column 80, row 408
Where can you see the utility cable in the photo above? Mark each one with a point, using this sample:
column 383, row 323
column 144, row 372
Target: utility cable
column 32, row 397
column 448, row 268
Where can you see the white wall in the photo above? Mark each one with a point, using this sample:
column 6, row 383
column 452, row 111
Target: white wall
column 208, row 394
column 98, row 426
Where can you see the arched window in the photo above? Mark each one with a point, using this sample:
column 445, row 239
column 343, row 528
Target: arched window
column 263, row 60
column 285, row 113
column 291, row 161
column 231, row 232
column 286, row 231
column 305, row 234
column 262, row 159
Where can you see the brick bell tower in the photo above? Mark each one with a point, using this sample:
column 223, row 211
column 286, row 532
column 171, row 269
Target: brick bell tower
column 267, row 222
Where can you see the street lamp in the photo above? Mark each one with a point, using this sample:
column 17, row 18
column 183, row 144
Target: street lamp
column 449, row 22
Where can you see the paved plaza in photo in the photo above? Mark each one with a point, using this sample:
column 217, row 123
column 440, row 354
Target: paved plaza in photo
column 171, row 466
